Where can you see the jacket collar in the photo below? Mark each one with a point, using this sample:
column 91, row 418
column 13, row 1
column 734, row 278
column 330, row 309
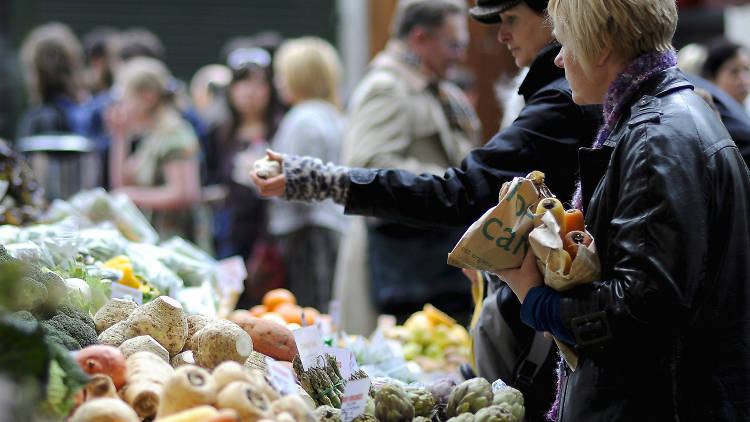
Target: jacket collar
column 646, row 101
column 542, row 71
column 395, row 57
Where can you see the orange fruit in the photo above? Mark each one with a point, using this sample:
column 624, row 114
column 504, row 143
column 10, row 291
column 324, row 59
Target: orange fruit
column 276, row 297
column 258, row 310
column 290, row 312
column 311, row 315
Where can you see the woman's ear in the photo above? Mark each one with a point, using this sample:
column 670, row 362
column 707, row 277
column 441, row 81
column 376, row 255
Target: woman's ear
column 604, row 56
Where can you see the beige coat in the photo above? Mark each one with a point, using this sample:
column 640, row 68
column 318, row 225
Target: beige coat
column 395, row 121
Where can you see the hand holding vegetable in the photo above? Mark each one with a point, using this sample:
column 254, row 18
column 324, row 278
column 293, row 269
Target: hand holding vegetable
column 272, row 186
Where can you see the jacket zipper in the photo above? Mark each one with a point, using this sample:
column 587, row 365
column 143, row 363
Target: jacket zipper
column 563, row 393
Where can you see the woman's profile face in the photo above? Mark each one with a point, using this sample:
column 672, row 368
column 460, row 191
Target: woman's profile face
column 251, row 95
column 524, row 32
column 734, row 76
column 587, row 87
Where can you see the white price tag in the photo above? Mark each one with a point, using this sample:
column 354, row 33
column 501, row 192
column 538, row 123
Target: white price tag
column 355, row 398
column 281, row 377
column 345, row 359
column 121, row 291
column 231, row 274
column 310, row 346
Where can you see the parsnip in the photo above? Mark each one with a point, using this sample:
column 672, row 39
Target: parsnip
column 195, row 414
column 105, row 410
column 189, row 386
column 245, row 400
column 145, row 377
column 228, row 371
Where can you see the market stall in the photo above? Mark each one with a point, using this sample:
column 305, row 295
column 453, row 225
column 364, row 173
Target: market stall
column 99, row 319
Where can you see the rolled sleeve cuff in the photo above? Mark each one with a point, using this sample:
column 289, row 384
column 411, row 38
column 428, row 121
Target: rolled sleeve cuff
column 541, row 311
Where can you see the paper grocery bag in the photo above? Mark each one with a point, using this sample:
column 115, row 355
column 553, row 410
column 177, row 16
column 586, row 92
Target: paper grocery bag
column 498, row 240
column 547, row 245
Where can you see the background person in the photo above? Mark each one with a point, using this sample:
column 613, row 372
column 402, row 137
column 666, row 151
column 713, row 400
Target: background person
column 405, row 114
column 727, row 64
column 52, row 61
column 162, row 173
column 307, row 77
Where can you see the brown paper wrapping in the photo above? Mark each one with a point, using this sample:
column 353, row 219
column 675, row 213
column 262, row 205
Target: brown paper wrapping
column 498, row 240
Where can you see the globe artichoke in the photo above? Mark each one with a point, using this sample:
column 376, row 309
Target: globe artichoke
column 392, row 404
column 370, row 406
column 469, row 396
column 365, row 417
column 441, row 389
column 327, row 414
column 495, row 414
column 422, row 400
column 512, row 398
column 463, row 417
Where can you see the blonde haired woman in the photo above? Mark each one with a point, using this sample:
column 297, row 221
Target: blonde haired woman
column 663, row 336
column 307, row 76
column 162, row 175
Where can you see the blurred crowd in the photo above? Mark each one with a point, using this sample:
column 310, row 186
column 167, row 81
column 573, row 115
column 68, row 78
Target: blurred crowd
column 183, row 150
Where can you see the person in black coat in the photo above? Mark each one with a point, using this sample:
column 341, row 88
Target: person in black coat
column 662, row 334
column 732, row 114
column 545, row 136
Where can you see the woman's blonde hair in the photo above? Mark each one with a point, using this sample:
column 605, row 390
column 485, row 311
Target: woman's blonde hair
column 141, row 74
column 310, row 68
column 629, row 28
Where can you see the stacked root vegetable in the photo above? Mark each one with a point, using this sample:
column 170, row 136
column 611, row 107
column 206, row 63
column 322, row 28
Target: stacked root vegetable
column 173, row 367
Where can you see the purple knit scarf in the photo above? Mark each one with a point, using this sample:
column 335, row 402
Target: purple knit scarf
column 620, row 95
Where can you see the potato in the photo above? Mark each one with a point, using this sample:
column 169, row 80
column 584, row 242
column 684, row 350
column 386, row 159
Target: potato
column 269, row 338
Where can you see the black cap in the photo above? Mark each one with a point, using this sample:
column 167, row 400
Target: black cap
column 488, row 11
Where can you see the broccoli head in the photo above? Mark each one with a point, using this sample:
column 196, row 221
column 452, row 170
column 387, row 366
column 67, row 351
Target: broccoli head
column 77, row 313
column 23, row 316
column 53, row 334
column 82, row 333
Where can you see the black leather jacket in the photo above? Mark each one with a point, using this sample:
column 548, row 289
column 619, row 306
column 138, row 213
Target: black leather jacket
column 545, row 136
column 665, row 336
